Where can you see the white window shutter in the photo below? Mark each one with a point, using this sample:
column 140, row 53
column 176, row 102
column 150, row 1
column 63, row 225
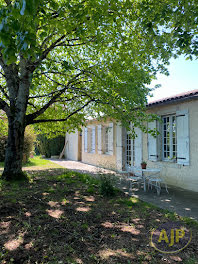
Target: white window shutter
column 110, row 139
column 99, row 139
column 182, row 137
column 138, row 147
column 153, row 153
column 93, row 139
column 119, row 146
column 85, row 139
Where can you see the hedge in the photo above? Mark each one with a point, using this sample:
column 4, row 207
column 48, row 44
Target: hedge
column 28, row 149
column 50, row 147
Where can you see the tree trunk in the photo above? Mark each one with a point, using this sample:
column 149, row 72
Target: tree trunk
column 14, row 151
column 18, row 78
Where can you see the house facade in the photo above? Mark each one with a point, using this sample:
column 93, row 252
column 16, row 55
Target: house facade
column 174, row 150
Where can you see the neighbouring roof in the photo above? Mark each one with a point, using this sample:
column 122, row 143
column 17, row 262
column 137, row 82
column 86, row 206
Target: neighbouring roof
column 178, row 97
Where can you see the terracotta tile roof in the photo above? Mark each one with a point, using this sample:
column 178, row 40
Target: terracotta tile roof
column 181, row 96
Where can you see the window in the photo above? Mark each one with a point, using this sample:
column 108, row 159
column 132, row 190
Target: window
column 91, row 139
column 173, row 143
column 99, row 139
column 169, row 140
column 106, row 139
column 130, row 150
column 133, row 149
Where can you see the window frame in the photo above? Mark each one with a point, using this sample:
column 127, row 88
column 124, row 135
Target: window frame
column 171, row 158
column 130, row 151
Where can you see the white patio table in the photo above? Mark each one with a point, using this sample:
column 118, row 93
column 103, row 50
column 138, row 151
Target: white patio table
column 152, row 175
column 149, row 175
column 133, row 179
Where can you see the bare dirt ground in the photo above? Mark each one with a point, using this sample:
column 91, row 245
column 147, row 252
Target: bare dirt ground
column 64, row 219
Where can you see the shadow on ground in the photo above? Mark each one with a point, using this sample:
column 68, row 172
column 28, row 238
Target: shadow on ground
column 178, row 200
column 62, row 218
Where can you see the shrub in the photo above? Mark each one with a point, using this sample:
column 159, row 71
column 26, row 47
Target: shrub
column 106, row 185
column 28, row 149
column 3, row 143
column 3, row 136
column 50, row 146
column 29, row 140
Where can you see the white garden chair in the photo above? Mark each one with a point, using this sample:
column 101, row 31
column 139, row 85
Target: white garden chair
column 130, row 176
column 156, row 182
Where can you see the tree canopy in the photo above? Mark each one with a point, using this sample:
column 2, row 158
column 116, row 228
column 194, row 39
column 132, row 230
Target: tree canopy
column 82, row 58
column 62, row 61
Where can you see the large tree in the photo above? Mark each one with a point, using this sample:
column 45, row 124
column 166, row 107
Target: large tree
column 64, row 60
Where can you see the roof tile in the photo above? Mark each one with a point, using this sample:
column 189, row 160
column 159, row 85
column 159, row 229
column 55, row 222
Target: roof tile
column 189, row 94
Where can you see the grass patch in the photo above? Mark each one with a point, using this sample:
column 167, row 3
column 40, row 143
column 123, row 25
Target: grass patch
column 190, row 222
column 37, row 161
column 1, row 184
column 192, row 260
column 61, row 217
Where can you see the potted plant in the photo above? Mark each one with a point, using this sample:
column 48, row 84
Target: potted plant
column 143, row 164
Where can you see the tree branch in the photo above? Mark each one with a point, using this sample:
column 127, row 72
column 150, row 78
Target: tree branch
column 46, row 52
column 46, row 39
column 3, row 91
column 32, row 105
column 41, row 96
column 4, row 106
column 8, row 2
column 2, row 74
column 11, row 76
column 63, row 44
column 68, row 44
column 33, row 116
column 62, row 119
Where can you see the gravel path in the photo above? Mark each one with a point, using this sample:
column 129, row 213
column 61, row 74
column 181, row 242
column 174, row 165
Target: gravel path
column 81, row 167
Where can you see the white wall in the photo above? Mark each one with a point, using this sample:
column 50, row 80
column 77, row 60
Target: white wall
column 175, row 174
column 178, row 175
column 71, row 151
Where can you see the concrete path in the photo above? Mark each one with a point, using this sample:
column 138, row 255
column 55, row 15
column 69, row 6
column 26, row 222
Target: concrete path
column 184, row 203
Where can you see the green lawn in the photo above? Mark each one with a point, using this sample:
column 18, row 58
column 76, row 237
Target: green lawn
column 37, row 161
column 63, row 217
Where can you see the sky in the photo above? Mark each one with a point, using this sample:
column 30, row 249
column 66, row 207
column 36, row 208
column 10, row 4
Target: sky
column 183, row 77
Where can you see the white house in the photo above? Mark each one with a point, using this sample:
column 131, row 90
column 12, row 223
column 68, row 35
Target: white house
column 175, row 150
